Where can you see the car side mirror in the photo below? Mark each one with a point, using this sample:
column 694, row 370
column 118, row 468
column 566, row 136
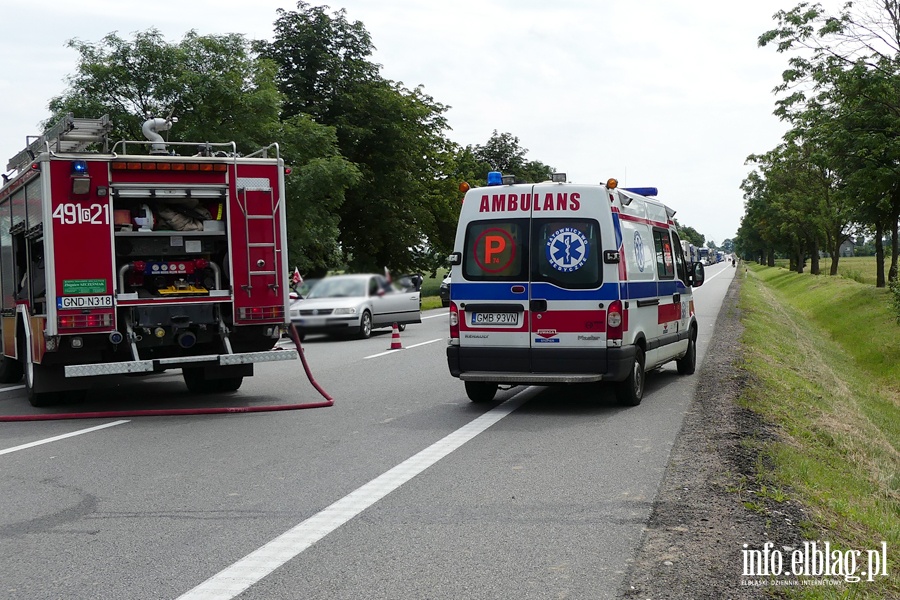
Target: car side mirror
column 294, row 296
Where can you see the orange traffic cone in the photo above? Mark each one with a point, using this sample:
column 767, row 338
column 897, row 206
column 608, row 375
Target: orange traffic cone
column 395, row 339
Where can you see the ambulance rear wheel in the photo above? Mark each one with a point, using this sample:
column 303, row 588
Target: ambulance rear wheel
column 631, row 391
column 480, row 391
column 10, row 370
column 687, row 364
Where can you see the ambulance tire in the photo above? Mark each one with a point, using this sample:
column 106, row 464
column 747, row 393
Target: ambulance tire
column 481, row 391
column 631, row 391
column 687, row 364
column 10, row 370
column 365, row 325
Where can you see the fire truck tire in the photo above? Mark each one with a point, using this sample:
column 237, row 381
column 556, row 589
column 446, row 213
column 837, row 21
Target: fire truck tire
column 196, row 382
column 365, row 325
column 687, row 364
column 631, row 391
column 33, row 373
column 10, row 370
column 481, row 391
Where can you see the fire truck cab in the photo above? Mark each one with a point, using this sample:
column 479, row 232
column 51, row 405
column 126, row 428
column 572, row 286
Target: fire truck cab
column 559, row 283
column 139, row 258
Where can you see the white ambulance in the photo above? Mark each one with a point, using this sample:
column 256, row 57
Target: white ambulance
column 557, row 283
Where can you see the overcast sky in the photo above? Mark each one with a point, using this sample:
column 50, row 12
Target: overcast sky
column 667, row 93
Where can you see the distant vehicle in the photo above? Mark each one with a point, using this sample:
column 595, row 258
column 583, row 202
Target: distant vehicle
column 444, row 292
column 354, row 305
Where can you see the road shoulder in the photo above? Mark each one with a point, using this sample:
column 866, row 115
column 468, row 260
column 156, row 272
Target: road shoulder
column 693, row 542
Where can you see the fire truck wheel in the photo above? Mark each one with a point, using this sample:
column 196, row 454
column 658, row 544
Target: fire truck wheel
column 631, row 391
column 688, row 363
column 365, row 325
column 196, row 383
column 10, row 370
column 480, row 391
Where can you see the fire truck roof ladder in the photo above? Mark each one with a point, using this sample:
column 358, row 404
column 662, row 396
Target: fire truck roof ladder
column 67, row 136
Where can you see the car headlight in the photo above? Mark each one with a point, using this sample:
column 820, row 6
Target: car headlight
column 345, row 311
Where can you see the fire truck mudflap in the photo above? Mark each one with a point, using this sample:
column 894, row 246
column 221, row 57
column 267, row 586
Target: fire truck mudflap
column 139, row 258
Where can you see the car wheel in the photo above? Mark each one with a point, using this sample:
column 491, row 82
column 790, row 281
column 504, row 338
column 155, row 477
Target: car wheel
column 688, row 363
column 631, row 391
column 365, row 325
column 480, row 391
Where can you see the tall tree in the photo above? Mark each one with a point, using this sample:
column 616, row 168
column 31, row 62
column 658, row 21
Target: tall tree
column 394, row 215
column 221, row 92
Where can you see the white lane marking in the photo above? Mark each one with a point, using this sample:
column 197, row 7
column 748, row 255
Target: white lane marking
column 714, row 276
column 381, row 354
column 386, row 352
column 61, row 437
column 15, row 387
column 235, row 579
column 426, row 343
column 438, row 315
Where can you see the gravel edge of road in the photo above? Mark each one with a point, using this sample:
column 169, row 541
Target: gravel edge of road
column 692, row 545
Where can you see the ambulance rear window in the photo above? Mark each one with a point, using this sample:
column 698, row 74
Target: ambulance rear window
column 496, row 250
column 566, row 252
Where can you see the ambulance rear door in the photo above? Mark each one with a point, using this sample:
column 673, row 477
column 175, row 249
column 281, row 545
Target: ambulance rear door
column 492, row 291
column 568, row 292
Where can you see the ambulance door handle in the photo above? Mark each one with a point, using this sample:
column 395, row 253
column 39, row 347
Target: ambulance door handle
column 538, row 306
column 676, row 298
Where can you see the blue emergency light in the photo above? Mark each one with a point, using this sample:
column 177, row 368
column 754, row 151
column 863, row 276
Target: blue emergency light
column 495, row 178
column 643, row 191
column 79, row 167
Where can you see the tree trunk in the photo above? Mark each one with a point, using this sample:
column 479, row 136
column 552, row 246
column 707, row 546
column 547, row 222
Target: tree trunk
column 835, row 256
column 814, row 259
column 879, row 255
column 770, row 258
column 895, row 246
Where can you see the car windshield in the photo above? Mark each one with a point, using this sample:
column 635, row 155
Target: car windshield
column 339, row 287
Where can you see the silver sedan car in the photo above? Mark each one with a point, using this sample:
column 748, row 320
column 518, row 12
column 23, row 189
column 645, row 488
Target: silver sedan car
column 354, row 305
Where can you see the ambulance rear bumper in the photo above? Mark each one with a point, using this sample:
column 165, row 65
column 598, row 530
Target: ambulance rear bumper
column 161, row 364
column 521, row 366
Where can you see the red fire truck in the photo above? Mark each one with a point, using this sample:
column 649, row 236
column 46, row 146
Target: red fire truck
column 138, row 258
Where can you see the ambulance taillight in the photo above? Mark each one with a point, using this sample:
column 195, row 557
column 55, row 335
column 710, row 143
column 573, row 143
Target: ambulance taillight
column 614, row 320
column 454, row 322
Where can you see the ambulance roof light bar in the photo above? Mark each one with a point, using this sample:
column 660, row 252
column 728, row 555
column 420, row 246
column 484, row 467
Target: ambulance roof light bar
column 643, row 191
column 495, row 178
column 558, row 177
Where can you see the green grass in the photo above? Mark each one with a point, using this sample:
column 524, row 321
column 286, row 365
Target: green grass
column 862, row 269
column 824, row 359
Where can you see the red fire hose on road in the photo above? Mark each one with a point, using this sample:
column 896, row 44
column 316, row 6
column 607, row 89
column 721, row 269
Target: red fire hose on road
column 329, row 401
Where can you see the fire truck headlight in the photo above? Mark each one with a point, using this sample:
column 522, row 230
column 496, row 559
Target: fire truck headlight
column 81, row 185
column 51, row 343
column 77, row 342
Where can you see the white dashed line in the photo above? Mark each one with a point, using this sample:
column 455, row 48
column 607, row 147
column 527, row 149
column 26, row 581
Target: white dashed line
column 61, row 437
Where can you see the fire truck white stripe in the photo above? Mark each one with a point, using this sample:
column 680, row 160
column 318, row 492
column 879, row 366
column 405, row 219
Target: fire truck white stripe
column 61, row 437
column 235, row 579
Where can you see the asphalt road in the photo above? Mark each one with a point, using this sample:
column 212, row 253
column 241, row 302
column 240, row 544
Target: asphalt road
column 402, row 489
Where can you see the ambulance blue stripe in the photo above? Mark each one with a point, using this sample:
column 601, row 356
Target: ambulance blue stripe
column 618, row 229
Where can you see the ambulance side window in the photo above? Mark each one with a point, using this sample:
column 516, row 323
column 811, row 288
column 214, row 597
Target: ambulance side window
column 496, row 250
column 680, row 269
column 665, row 258
column 566, row 252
